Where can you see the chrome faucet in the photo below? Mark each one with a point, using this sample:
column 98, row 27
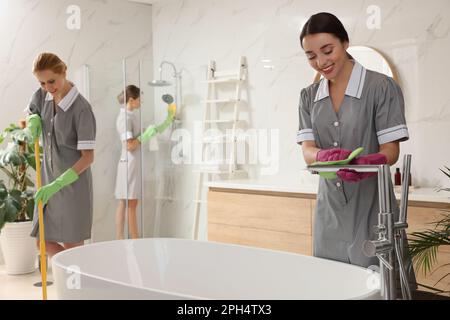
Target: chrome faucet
column 389, row 245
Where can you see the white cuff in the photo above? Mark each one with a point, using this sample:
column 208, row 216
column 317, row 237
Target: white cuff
column 86, row 145
column 305, row 134
column 126, row 135
column 393, row 134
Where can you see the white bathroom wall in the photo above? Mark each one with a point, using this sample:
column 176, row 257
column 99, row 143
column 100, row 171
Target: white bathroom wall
column 109, row 31
column 414, row 35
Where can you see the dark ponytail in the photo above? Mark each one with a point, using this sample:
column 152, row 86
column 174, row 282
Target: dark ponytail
column 131, row 92
column 324, row 22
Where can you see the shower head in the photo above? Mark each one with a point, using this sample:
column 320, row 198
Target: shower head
column 167, row 98
column 159, row 83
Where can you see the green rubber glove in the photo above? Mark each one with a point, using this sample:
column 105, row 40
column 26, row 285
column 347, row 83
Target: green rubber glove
column 147, row 134
column 34, row 127
column 152, row 130
column 47, row 191
column 163, row 126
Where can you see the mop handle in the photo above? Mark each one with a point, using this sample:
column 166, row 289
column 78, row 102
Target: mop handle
column 41, row 223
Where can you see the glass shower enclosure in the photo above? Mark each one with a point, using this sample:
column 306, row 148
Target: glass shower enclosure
column 124, row 179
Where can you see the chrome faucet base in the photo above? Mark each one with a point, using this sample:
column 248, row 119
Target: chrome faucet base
column 388, row 247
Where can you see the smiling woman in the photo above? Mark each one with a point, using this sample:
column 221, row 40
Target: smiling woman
column 67, row 123
column 370, row 58
column 350, row 107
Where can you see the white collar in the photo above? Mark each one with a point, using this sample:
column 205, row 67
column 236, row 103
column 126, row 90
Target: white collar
column 354, row 87
column 68, row 99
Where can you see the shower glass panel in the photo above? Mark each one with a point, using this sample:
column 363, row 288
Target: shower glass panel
column 130, row 181
column 135, row 170
column 106, row 82
column 149, row 150
column 157, row 167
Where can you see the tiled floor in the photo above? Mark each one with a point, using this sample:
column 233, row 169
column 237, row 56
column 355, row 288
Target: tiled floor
column 20, row 287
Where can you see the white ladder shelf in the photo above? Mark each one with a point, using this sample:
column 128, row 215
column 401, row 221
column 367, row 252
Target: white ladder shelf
column 220, row 166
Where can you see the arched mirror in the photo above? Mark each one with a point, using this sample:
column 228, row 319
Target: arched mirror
column 371, row 59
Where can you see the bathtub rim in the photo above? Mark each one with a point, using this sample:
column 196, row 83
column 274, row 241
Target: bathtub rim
column 187, row 296
column 96, row 277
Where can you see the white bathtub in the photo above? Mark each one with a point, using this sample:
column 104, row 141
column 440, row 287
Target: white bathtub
column 186, row 269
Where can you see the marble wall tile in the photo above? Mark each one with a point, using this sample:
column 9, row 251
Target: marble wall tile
column 413, row 35
column 110, row 31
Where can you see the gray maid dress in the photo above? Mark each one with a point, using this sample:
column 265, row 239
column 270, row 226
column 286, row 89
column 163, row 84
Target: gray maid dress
column 67, row 128
column 371, row 114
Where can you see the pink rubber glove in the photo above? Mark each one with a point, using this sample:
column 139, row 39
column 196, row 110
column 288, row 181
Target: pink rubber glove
column 334, row 154
column 353, row 176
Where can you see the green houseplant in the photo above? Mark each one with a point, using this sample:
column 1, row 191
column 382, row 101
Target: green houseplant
column 424, row 245
column 16, row 200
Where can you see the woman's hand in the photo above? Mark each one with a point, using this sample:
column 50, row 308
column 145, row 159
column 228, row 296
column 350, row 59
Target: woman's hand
column 370, row 159
column 388, row 154
column 334, row 154
column 132, row 144
column 310, row 151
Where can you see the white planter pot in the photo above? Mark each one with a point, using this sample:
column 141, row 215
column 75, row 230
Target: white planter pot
column 18, row 247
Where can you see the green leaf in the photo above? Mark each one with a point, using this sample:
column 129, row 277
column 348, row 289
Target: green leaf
column 31, row 160
column 12, row 208
column 30, row 208
column 20, row 136
column 12, row 205
column 445, row 276
column 29, row 182
column 444, row 223
column 2, row 216
column 3, row 136
column 12, row 127
column 3, row 191
column 15, row 158
column 9, row 174
column 11, row 155
column 423, row 247
column 16, row 194
column 27, row 198
column 27, row 194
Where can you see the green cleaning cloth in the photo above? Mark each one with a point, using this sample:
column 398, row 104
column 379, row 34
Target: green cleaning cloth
column 332, row 175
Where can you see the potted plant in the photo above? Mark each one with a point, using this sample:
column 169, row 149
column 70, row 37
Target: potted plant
column 423, row 246
column 16, row 201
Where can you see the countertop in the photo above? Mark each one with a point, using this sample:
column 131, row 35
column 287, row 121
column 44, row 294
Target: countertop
column 415, row 194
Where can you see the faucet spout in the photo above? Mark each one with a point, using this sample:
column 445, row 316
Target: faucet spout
column 385, row 262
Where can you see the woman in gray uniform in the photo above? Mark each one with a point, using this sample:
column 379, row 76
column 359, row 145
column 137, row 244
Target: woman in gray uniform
column 128, row 187
column 350, row 107
column 67, row 123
